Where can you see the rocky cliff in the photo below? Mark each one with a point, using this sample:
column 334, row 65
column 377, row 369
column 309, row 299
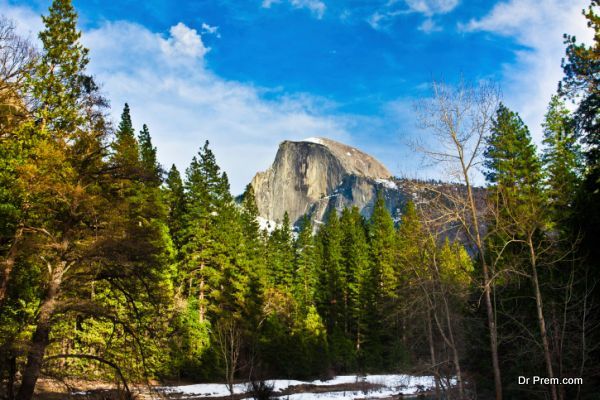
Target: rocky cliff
column 316, row 174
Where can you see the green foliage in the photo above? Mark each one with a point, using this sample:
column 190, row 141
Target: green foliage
column 177, row 280
column 281, row 255
column 333, row 277
column 151, row 168
column 581, row 82
column 562, row 160
column 306, row 262
column 93, row 265
column 174, row 198
column 56, row 81
column 515, row 173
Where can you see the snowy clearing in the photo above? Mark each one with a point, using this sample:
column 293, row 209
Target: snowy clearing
column 391, row 385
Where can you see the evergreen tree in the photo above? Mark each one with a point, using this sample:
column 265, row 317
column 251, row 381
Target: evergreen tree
column 229, row 281
column 305, row 266
column 355, row 254
column 212, row 239
column 175, row 199
column 582, row 83
column 513, row 168
column 280, row 260
column 56, row 80
column 126, row 155
column 253, row 259
column 382, row 241
column 333, row 279
column 86, row 257
column 517, row 240
column 196, row 233
column 151, row 168
column 562, row 161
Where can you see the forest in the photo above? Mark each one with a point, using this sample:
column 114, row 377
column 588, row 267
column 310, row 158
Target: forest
column 114, row 268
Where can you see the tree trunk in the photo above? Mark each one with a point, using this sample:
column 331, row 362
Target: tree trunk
column 201, row 310
column 455, row 355
column 12, row 372
column 540, row 316
column 40, row 339
column 358, row 335
column 9, row 264
column 434, row 368
column 487, row 289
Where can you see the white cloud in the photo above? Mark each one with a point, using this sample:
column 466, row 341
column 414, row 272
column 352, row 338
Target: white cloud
column 316, row 7
column 211, row 30
column 184, row 42
column 538, row 26
column 386, row 14
column 29, row 22
column 381, row 19
column 168, row 86
column 429, row 26
column 432, row 7
column 166, row 82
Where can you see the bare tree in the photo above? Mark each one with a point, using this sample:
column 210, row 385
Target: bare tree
column 228, row 338
column 458, row 119
column 16, row 60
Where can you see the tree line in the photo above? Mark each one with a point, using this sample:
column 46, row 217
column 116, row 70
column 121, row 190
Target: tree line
column 115, row 269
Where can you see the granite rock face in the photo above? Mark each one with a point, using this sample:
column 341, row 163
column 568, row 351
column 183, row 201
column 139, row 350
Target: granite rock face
column 314, row 175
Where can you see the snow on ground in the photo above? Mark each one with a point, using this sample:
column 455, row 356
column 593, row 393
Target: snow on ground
column 314, row 140
column 387, row 183
column 392, row 385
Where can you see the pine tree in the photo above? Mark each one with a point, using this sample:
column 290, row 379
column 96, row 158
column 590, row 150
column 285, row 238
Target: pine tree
column 415, row 283
column 126, row 155
column 229, row 281
column 582, row 83
column 513, row 169
column 152, row 170
column 280, row 256
column 355, row 253
column 56, row 81
column 305, row 267
column 175, row 200
column 333, row 276
column 212, row 237
column 196, row 233
column 382, row 241
column 253, row 261
column 81, row 252
column 562, row 160
column 520, row 218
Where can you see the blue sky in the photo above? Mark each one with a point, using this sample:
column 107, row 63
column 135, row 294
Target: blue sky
column 247, row 74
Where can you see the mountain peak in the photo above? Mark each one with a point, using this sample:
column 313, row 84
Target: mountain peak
column 354, row 160
column 315, row 174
